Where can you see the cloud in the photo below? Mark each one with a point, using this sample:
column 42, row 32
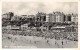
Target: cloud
column 20, row 8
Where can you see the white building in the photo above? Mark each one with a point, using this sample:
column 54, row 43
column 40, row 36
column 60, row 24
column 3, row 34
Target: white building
column 59, row 17
column 24, row 26
column 52, row 17
column 74, row 18
column 47, row 18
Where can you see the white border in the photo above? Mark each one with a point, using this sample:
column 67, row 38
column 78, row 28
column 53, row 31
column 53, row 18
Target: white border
column 40, row 1
column 0, row 25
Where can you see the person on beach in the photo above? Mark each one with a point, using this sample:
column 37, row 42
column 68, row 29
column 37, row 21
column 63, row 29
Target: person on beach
column 62, row 43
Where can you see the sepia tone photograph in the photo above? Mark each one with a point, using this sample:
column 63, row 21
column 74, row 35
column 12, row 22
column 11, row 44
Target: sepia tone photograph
column 40, row 24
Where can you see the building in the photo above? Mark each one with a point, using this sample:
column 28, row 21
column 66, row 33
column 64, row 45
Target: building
column 31, row 18
column 24, row 26
column 41, row 17
column 71, row 29
column 24, row 16
column 47, row 18
column 74, row 18
column 7, row 16
column 14, row 27
column 52, row 17
column 59, row 17
column 64, row 18
column 68, row 18
column 15, row 18
column 58, row 28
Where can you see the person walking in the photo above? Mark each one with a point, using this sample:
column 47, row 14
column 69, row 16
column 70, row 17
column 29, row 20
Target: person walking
column 62, row 43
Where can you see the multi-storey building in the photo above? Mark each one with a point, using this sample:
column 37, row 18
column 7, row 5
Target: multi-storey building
column 59, row 17
column 56, row 17
column 47, row 18
column 68, row 18
column 52, row 17
column 74, row 18
column 41, row 17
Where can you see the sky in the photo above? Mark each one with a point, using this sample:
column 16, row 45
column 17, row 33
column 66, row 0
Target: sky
column 32, row 8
